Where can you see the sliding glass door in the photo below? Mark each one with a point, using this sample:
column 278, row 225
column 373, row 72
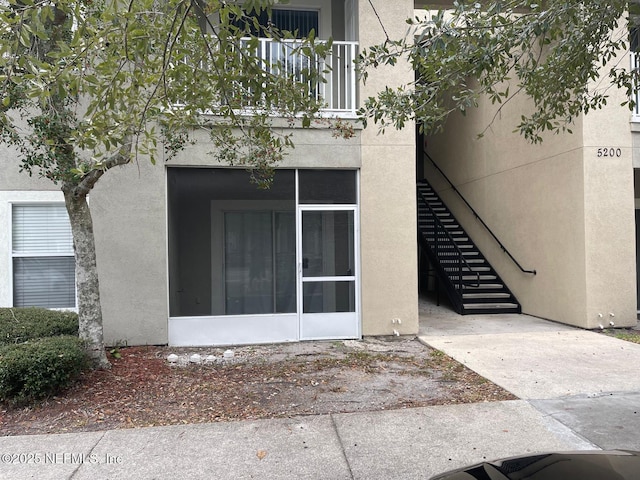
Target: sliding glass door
column 259, row 262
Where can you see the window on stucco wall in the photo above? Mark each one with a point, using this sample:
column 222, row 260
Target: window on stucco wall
column 43, row 260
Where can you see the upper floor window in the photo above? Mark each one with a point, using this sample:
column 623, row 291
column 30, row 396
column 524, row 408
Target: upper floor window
column 301, row 22
column 634, row 24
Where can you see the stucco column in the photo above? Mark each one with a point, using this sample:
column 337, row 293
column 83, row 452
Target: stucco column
column 388, row 206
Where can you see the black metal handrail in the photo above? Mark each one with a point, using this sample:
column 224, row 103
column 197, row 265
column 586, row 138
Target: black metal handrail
column 504, row 249
column 443, row 228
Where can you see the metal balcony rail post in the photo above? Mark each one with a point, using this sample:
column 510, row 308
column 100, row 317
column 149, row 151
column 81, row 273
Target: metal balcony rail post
column 635, row 95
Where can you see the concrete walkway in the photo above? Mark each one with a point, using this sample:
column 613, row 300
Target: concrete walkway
column 585, row 380
column 578, row 391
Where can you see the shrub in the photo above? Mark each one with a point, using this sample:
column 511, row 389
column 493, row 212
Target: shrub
column 40, row 368
column 18, row 325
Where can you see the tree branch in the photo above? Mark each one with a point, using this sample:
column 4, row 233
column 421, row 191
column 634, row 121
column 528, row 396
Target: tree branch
column 122, row 157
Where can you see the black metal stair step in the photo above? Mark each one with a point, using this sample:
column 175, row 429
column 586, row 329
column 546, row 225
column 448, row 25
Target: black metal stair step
column 479, row 261
column 469, row 284
column 440, row 214
column 469, row 262
column 432, row 239
column 450, row 229
column 454, row 254
column 429, row 222
column 448, row 244
column 479, row 304
column 448, row 248
column 487, row 308
column 453, row 229
column 452, row 257
column 452, row 269
column 461, row 246
column 429, row 228
column 470, row 279
column 484, row 287
column 444, row 238
column 486, row 297
column 474, row 267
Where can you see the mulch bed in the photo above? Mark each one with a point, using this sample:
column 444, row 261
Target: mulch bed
column 143, row 389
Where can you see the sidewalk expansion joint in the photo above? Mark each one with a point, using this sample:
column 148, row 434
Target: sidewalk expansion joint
column 344, row 453
column 73, row 474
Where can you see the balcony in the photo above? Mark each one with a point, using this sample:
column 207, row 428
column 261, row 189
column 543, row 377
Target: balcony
column 333, row 84
column 336, row 88
column 273, row 53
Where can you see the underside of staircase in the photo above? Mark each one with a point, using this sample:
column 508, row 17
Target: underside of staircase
column 472, row 285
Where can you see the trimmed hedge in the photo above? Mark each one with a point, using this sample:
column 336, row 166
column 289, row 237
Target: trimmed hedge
column 40, row 368
column 19, row 325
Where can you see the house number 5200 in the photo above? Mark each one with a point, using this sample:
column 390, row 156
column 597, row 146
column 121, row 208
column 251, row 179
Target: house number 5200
column 609, row 152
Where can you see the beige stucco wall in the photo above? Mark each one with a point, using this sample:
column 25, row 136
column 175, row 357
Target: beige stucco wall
column 314, row 148
column 388, row 215
column 610, row 215
column 557, row 206
column 12, row 179
column 128, row 206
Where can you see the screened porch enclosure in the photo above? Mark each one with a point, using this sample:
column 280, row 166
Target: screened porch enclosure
column 231, row 245
column 251, row 266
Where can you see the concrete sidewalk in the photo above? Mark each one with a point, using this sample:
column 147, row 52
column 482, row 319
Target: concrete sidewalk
column 578, row 391
column 400, row 444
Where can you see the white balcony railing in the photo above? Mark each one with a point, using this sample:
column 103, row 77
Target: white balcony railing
column 635, row 96
column 334, row 82
column 337, row 86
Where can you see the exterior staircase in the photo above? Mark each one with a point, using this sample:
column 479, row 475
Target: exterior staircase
column 471, row 284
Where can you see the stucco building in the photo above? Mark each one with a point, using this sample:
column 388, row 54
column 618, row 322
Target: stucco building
column 189, row 253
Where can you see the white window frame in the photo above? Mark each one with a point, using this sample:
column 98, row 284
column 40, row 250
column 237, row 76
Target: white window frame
column 7, row 200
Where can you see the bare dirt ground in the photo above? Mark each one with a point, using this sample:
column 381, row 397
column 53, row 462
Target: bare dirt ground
column 144, row 389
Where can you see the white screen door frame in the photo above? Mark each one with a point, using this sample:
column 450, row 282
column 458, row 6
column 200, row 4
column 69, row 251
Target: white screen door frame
column 328, row 301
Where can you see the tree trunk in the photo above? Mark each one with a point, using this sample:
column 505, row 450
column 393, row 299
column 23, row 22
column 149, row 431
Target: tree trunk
column 87, row 284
